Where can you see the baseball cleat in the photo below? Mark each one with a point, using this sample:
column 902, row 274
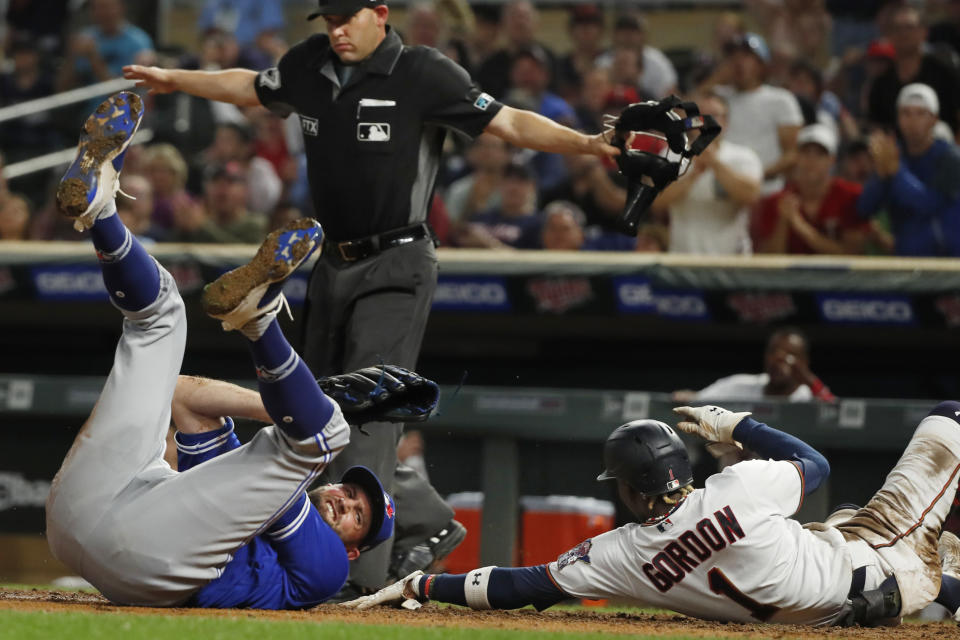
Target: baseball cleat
column 949, row 550
column 254, row 290
column 93, row 178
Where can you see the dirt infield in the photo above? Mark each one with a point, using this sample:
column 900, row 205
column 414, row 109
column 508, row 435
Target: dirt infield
column 525, row 620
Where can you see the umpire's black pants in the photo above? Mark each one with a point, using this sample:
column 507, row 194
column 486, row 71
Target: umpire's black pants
column 369, row 312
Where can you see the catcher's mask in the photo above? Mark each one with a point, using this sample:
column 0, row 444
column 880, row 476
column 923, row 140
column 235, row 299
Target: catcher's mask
column 648, row 173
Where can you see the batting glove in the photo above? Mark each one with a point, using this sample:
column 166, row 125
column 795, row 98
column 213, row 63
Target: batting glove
column 711, row 423
column 396, row 592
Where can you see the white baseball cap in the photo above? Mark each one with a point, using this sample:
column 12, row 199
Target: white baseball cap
column 819, row 134
column 918, row 94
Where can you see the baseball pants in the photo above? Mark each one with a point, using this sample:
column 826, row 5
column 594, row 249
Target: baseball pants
column 118, row 515
column 365, row 313
column 896, row 532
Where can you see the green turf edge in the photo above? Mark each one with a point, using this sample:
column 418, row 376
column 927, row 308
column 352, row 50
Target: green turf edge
column 40, row 625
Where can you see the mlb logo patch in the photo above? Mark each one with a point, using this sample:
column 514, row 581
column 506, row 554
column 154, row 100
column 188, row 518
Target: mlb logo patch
column 309, row 125
column 373, row 131
column 483, row 101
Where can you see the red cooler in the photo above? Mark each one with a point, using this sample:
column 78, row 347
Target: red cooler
column 468, row 509
column 555, row 524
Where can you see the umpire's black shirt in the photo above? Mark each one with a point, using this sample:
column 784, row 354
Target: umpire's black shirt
column 373, row 146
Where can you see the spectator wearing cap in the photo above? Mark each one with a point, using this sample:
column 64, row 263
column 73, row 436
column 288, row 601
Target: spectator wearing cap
column 916, row 179
column 913, row 64
column 761, row 117
column 257, row 25
column 234, row 142
column 709, row 206
column 658, row 76
column 530, row 79
column 816, row 212
column 520, row 23
column 585, row 27
column 515, row 223
column 100, row 52
column 223, row 216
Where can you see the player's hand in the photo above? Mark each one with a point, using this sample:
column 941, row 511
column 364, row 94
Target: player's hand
column 711, row 423
column 396, row 592
column 155, row 79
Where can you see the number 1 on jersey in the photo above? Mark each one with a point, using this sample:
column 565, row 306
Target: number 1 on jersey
column 721, row 585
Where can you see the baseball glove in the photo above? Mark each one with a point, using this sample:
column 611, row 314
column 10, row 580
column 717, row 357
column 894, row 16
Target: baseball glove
column 384, row 393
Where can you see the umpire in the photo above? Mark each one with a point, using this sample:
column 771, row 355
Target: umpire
column 374, row 114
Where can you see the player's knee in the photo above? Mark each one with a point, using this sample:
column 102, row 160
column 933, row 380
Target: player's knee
column 949, row 409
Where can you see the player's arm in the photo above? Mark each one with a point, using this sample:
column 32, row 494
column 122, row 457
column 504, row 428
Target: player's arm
column 311, row 554
column 484, row 588
column 775, row 444
column 719, row 425
column 199, row 404
column 527, row 129
column 235, row 86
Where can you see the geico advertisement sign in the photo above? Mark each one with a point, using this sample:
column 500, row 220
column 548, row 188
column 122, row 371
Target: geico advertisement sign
column 69, row 283
column 866, row 309
column 637, row 295
column 471, row 294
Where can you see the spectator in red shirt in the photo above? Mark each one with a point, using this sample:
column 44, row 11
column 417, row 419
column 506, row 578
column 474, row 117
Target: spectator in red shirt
column 815, row 212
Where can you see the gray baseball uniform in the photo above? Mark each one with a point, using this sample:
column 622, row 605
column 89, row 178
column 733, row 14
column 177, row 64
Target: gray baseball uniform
column 137, row 530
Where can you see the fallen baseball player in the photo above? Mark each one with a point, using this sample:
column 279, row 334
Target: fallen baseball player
column 729, row 551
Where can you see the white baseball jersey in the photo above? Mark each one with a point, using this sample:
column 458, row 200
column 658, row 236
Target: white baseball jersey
column 728, row 552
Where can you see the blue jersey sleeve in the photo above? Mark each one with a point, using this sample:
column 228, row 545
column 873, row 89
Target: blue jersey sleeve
column 778, row 445
column 311, row 555
column 194, row 448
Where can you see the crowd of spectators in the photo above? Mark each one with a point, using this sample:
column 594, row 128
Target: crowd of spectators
column 840, row 126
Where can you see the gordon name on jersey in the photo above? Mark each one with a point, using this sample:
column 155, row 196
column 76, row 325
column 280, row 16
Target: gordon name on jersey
column 729, row 551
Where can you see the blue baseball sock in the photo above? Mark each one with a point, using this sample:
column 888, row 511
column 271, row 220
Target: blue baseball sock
column 129, row 273
column 949, row 595
column 288, row 389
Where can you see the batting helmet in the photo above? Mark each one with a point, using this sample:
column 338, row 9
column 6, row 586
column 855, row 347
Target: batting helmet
column 649, row 456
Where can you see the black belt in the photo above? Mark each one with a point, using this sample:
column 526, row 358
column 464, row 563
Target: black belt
column 353, row 250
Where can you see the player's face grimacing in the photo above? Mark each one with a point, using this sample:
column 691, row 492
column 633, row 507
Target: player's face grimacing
column 346, row 508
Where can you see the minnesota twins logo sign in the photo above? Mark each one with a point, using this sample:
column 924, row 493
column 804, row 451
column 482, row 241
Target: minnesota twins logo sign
column 579, row 552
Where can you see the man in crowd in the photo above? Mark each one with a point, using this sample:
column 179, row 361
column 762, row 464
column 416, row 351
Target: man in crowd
column 761, row 117
column 786, row 374
column 913, row 63
column 515, row 223
column 815, row 212
column 916, row 179
column 709, row 206
column 100, row 52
